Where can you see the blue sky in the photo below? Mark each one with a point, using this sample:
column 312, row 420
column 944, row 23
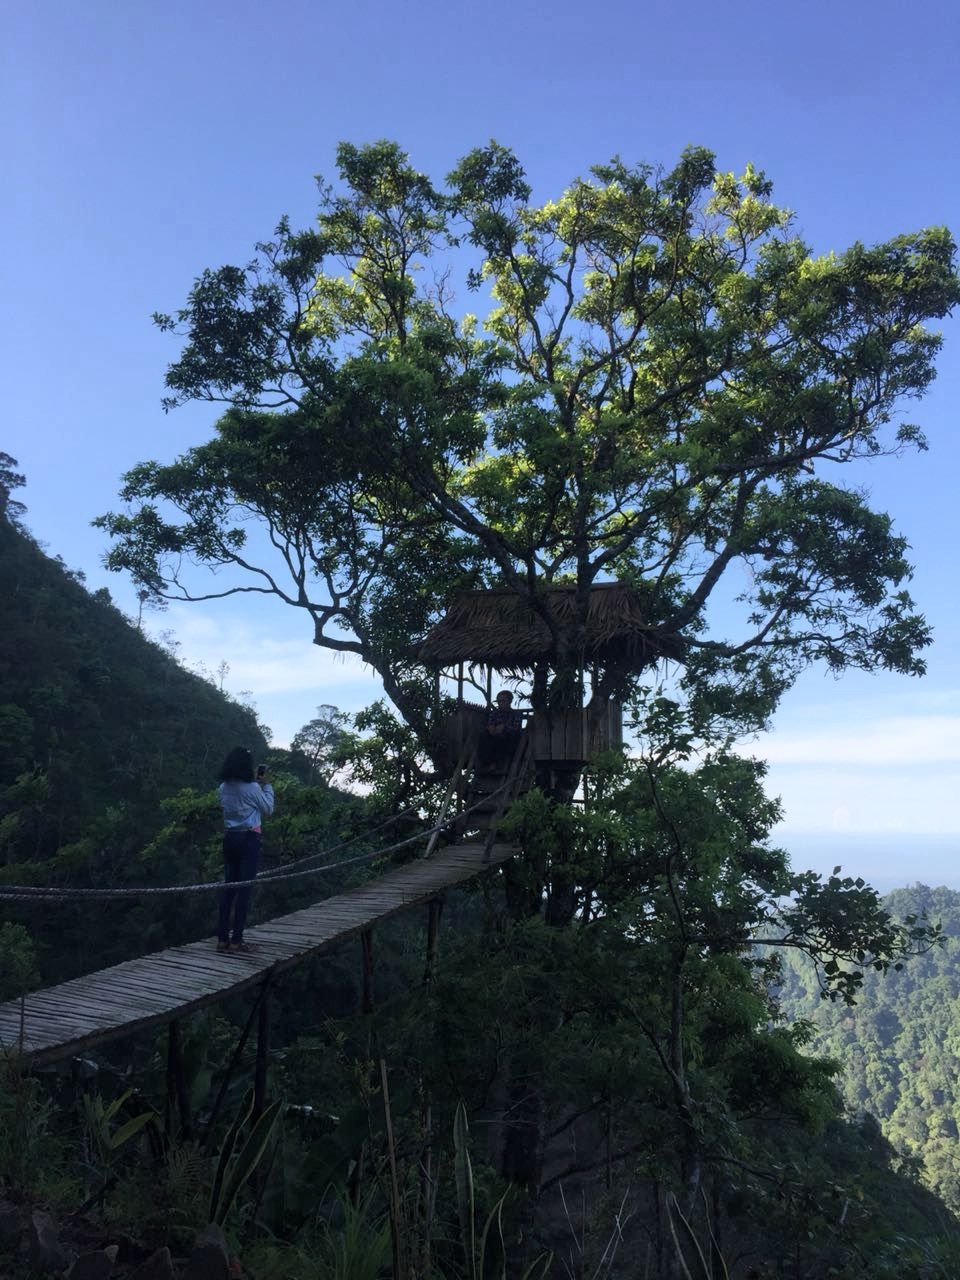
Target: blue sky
column 143, row 142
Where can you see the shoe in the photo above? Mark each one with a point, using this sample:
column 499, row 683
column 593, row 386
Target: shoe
column 243, row 948
column 223, row 947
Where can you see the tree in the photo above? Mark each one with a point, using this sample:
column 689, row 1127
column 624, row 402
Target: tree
column 11, row 510
column 319, row 740
column 660, row 393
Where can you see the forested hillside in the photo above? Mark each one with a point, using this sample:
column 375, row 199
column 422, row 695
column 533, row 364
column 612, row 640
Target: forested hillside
column 99, row 729
column 97, row 722
column 899, row 1046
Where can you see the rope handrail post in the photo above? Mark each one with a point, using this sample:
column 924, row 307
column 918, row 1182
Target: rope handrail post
column 463, row 785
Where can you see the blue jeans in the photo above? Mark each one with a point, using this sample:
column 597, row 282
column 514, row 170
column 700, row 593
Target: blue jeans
column 241, row 857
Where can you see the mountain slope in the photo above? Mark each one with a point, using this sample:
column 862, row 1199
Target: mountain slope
column 99, row 729
column 900, row 1045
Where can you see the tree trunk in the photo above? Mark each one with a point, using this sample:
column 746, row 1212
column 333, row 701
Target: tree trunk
column 523, row 1139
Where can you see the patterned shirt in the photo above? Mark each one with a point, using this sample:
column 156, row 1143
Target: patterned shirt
column 508, row 721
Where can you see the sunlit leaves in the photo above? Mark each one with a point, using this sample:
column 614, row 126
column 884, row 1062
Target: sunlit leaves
column 656, row 381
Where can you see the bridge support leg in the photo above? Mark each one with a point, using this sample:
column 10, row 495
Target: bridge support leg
column 176, row 1082
column 355, row 1185
column 433, row 928
column 263, row 1054
column 366, row 943
column 231, row 1067
column 428, row 1183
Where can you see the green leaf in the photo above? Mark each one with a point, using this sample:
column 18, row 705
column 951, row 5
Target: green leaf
column 247, row 1159
column 116, row 1104
column 226, row 1152
column 131, row 1129
column 463, row 1172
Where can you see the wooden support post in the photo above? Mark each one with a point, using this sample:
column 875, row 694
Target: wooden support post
column 176, row 1083
column 396, row 1234
column 355, row 1185
column 366, row 943
column 428, row 1183
column 263, row 1053
column 180, row 1081
column 433, row 927
column 231, row 1067
column 169, row 1092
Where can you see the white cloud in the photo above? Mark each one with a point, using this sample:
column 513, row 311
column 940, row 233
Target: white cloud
column 887, row 742
column 261, row 662
column 848, row 799
column 840, row 818
column 884, row 762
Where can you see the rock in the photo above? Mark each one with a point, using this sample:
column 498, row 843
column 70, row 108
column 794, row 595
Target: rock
column 159, row 1266
column 94, row 1266
column 46, row 1252
column 209, row 1259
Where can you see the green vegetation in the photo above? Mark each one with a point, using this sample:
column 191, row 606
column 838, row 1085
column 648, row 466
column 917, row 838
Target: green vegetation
column 627, row 1068
column 101, row 731
column 593, row 1078
column 108, row 754
column 899, row 1048
column 98, row 724
column 660, row 380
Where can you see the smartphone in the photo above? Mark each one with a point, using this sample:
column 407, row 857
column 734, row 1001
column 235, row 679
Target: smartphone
column 261, row 770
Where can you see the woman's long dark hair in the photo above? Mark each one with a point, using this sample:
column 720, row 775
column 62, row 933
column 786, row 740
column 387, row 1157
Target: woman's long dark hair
column 238, row 766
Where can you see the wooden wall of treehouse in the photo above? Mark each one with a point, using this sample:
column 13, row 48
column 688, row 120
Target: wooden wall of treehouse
column 567, row 737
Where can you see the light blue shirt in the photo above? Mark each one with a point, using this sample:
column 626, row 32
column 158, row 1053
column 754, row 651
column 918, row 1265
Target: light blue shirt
column 245, row 804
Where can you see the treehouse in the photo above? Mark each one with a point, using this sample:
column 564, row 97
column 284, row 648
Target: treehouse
column 500, row 632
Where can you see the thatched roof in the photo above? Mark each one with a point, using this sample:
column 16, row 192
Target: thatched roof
column 500, row 628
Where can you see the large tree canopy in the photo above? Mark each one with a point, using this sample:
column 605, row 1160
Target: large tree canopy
column 659, row 389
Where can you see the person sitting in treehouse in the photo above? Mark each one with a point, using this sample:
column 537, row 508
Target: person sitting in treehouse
column 500, row 735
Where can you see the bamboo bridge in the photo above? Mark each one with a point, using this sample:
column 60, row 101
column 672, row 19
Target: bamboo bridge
column 79, row 1015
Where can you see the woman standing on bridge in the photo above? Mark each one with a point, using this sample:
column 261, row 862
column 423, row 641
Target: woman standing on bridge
column 246, row 799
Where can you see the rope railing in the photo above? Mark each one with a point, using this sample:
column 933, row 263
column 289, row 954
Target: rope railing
column 293, row 871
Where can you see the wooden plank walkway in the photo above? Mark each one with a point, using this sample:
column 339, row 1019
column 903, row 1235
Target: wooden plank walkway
column 85, row 1012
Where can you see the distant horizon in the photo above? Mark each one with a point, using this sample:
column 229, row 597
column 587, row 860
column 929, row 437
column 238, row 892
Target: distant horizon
column 927, row 858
